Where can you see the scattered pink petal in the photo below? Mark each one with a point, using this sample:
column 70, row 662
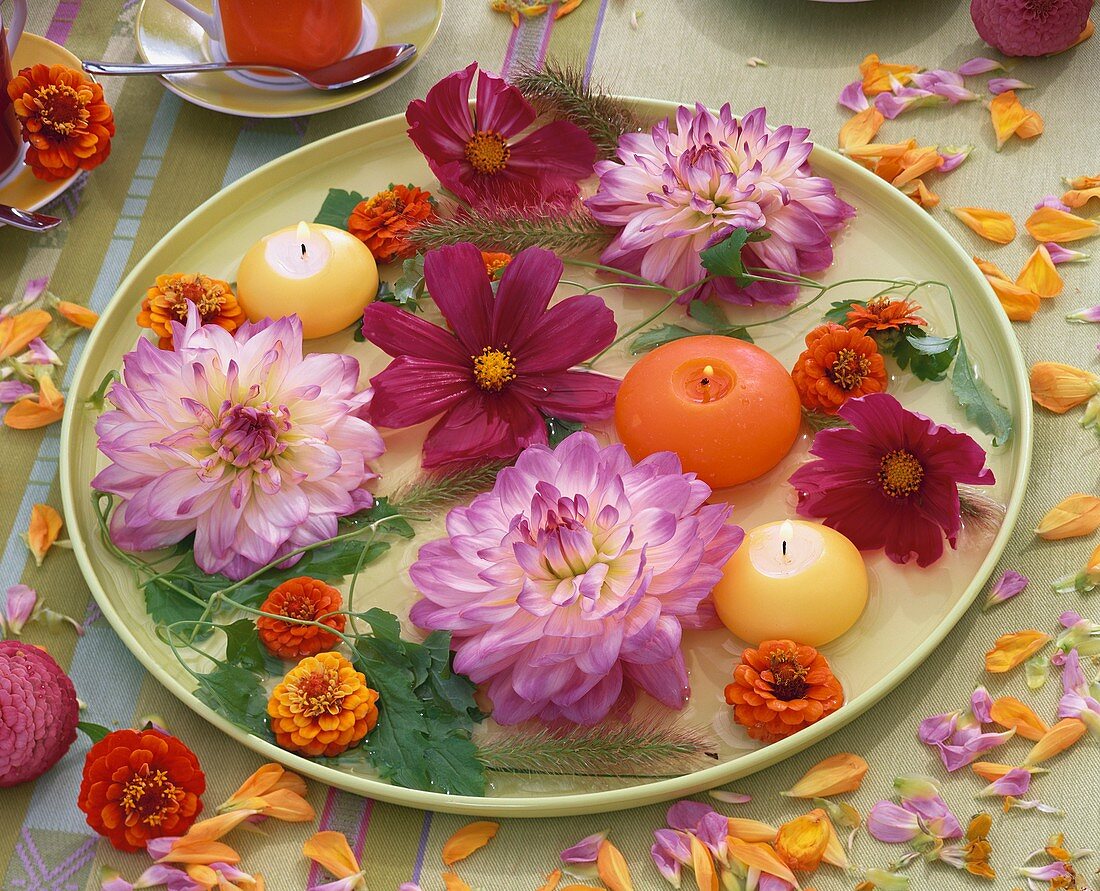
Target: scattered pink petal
column 981, row 704
column 584, row 851
column 978, row 65
column 13, row 391
column 1014, row 783
column 893, row 824
column 1032, row 805
column 18, row 608
column 1060, row 254
column 853, row 97
column 730, row 797
column 904, row 99
column 1007, row 586
column 998, row 85
column 38, row 353
column 1055, row 870
column 953, row 156
column 1052, row 201
column 1085, row 314
column 948, row 84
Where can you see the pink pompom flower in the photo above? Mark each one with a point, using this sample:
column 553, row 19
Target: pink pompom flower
column 568, row 585
column 1030, row 27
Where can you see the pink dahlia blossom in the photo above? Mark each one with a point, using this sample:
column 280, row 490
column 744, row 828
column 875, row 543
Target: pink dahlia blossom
column 237, row 438
column 1030, row 27
column 677, row 190
column 39, row 714
column 479, row 154
column 568, row 585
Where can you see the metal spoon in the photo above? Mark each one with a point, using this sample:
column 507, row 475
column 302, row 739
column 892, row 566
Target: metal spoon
column 27, row 219
column 345, row 73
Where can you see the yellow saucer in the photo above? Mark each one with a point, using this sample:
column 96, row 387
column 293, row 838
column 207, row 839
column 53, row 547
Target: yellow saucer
column 25, row 190
column 166, row 35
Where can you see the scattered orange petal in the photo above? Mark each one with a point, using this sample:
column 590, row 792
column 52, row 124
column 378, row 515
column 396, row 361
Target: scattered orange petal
column 42, row 532
column 77, row 314
column 1039, row 274
column 881, row 149
column 876, row 74
column 1051, row 224
column 835, row 855
column 994, row 225
column 861, row 128
column 471, row 837
column 1031, row 126
column 916, row 162
column 187, row 850
column 762, row 857
column 272, row 792
column 1058, row 388
column 702, row 864
column 920, row 193
column 552, row 881
column 991, row 270
column 331, row 850
column 1073, row 516
column 801, row 842
column 19, row 330
column 578, row 888
column 752, row 830
column 1014, row 648
column 1059, row 738
column 1011, row 118
column 1010, row 712
column 453, row 883
column 1084, row 182
column 990, row 770
column 1080, row 197
column 840, row 773
column 44, row 408
column 1019, row 304
column 612, row 869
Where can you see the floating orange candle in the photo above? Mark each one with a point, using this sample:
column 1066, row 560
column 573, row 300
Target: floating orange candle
column 726, row 407
column 792, row 580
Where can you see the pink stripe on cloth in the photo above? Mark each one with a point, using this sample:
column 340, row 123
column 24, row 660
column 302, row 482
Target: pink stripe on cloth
column 591, row 60
column 61, row 25
column 361, row 832
column 510, row 52
column 544, row 45
column 315, row 871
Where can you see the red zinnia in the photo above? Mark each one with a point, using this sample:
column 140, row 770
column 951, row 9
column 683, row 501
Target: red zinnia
column 300, row 598
column 139, row 785
column 478, row 158
column 508, row 358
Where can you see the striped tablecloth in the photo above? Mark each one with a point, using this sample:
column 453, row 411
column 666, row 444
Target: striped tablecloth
column 169, row 156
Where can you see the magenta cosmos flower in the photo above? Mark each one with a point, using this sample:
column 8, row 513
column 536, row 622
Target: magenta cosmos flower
column 567, row 586
column 891, row 480
column 476, row 153
column 238, row 438
column 675, row 191
column 505, row 358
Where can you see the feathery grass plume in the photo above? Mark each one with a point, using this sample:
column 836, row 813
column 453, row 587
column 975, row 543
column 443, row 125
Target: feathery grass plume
column 432, row 493
column 513, row 229
column 981, row 515
column 819, row 420
column 643, row 747
column 560, row 92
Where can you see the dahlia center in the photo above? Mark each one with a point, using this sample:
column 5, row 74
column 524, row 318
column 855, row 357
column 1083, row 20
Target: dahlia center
column 788, row 676
column 900, row 473
column 493, row 368
column 149, row 797
column 318, row 693
column 487, row 151
column 849, row 369
column 61, row 109
column 246, row 434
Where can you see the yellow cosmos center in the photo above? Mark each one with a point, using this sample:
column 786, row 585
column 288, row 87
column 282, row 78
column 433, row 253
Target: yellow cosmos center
column 61, row 109
column 849, row 369
column 149, row 797
column 494, row 368
column 318, row 693
column 900, row 473
column 487, row 151
column 788, row 676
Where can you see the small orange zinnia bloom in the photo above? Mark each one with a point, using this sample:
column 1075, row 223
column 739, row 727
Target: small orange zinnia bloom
column 495, row 262
column 838, row 364
column 884, row 313
column 301, row 598
column 384, row 221
column 322, row 707
column 66, row 122
column 781, row 687
column 166, row 302
column 139, row 785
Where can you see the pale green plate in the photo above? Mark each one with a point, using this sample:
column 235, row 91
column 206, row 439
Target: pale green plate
column 910, row 612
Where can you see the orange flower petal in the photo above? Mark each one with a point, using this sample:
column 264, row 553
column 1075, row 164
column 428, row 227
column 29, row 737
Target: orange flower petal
column 48, row 395
column 702, row 864
column 286, row 805
column 1039, row 274
column 991, row 270
column 840, row 773
column 30, row 414
column 920, row 193
column 762, row 857
column 861, row 128
column 1019, row 304
column 1031, row 126
column 1008, row 116
column 1073, row 516
column 1012, row 649
column 1051, row 224
column 994, row 225
column 42, row 532
column 801, row 842
column 1058, row 388
column 453, row 883
column 990, row 770
column 471, row 837
column 881, row 149
column 1010, row 712
column 752, row 830
column 19, row 330
column 576, row 888
column 77, row 314
column 917, row 162
column 1059, row 738
column 835, row 855
column 332, row 851
column 876, row 74
column 612, row 869
column 1084, row 182
column 552, row 881
column 200, row 851
column 1080, row 197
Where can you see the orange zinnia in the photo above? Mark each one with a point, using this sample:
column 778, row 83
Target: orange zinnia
column 66, row 123
column 166, row 302
column 838, row 364
column 781, row 687
column 495, row 263
column 322, row 707
column 306, row 599
column 883, row 313
column 383, row 222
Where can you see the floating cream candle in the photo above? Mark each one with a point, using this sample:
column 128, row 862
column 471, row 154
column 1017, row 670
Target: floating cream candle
column 796, row 580
column 324, row 274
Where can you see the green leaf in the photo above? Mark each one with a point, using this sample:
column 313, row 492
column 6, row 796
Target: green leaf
column 408, row 290
column 337, row 207
column 94, row 732
column 381, row 513
column 927, row 356
column 244, row 650
column 982, row 406
column 558, row 429
column 838, row 313
column 724, row 258
column 655, row 337
column 236, row 694
column 709, row 314
column 737, row 333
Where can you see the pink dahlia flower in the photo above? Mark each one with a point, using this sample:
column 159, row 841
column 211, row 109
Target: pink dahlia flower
column 39, row 714
column 507, row 357
column 891, row 480
column 479, row 154
column 237, row 438
column 1030, row 27
column 568, row 585
column 675, row 191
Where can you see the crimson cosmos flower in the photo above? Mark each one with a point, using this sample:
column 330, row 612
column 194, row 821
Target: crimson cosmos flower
column 477, row 157
column 507, row 360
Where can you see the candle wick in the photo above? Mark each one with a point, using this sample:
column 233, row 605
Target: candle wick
column 784, row 547
column 303, row 250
